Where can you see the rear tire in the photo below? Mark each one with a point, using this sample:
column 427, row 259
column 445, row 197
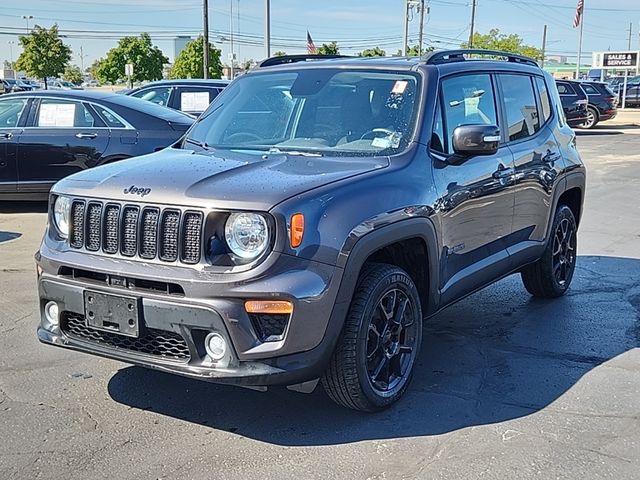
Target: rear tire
column 376, row 353
column 551, row 275
column 592, row 118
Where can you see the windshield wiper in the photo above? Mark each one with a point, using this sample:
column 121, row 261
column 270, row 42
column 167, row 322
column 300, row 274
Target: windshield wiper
column 277, row 151
column 202, row 145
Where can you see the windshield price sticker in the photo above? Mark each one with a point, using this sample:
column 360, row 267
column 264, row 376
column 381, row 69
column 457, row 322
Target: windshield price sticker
column 399, row 87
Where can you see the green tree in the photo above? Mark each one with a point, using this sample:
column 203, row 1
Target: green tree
column 92, row 70
column 372, row 52
column 190, row 62
column 43, row 54
column 415, row 51
column 73, row 74
column 329, row 49
column 279, row 53
column 147, row 59
column 494, row 40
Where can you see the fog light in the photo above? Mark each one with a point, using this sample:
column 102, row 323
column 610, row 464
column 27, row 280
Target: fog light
column 52, row 313
column 216, row 346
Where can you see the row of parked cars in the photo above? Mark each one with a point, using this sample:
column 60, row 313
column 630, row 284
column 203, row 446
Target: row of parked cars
column 586, row 104
column 46, row 135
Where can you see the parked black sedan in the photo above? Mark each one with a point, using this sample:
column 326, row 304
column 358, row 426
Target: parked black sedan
column 602, row 103
column 574, row 102
column 189, row 96
column 47, row 135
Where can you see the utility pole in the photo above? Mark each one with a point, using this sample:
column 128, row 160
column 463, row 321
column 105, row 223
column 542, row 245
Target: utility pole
column 544, row 45
column 421, row 35
column 473, row 22
column 267, row 28
column 405, row 44
column 205, row 39
column 630, row 34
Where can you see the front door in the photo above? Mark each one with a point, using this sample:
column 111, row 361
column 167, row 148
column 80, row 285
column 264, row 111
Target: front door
column 12, row 111
column 64, row 137
column 475, row 204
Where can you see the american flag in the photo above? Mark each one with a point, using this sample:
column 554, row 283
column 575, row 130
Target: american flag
column 311, row 47
column 579, row 10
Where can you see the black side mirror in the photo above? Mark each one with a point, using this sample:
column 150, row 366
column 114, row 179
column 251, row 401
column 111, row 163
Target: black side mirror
column 470, row 140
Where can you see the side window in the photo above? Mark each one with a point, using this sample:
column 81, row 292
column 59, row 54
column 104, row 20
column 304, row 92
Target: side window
column 565, row 89
column 589, row 89
column 437, row 136
column 468, row 100
column 63, row 113
column 545, row 100
column 158, row 95
column 520, row 105
column 10, row 111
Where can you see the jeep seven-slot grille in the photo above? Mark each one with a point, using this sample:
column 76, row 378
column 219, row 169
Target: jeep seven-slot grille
column 147, row 232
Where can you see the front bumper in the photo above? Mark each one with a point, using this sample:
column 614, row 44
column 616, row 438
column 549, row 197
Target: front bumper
column 301, row 355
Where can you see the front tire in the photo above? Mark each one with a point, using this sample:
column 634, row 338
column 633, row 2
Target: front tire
column 374, row 359
column 551, row 275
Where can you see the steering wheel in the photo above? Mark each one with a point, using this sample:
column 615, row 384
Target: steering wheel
column 243, row 137
column 375, row 131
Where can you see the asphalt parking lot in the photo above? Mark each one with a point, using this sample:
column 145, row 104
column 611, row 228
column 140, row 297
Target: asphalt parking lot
column 506, row 386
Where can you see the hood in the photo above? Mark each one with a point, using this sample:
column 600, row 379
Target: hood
column 238, row 181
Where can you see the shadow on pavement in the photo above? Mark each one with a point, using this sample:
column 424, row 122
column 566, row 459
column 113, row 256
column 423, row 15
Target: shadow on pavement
column 496, row 356
column 8, row 236
column 23, row 207
column 598, row 131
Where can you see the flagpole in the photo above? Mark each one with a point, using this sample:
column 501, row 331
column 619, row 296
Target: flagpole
column 580, row 42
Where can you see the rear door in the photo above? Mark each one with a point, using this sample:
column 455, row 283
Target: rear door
column 13, row 111
column 537, row 160
column 63, row 137
column 193, row 99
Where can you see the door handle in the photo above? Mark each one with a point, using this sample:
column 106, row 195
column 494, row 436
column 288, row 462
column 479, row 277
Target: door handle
column 6, row 136
column 551, row 157
column 504, row 173
column 86, row 135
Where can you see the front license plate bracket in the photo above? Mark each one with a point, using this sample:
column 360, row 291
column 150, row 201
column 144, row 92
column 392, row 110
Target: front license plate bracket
column 112, row 313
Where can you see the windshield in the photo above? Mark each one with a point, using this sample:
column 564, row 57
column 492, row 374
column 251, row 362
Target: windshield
column 320, row 110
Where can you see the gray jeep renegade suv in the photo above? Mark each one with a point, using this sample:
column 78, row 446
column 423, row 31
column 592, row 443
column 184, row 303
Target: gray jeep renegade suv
column 313, row 217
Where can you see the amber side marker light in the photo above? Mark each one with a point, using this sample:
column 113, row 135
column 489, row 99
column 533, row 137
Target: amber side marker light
column 297, row 229
column 268, row 306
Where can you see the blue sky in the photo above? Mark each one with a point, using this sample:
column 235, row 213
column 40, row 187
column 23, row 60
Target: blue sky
column 354, row 24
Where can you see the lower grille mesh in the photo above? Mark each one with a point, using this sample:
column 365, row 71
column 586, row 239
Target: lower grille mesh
column 153, row 342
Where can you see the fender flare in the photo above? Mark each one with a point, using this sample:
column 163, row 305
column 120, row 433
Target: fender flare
column 369, row 243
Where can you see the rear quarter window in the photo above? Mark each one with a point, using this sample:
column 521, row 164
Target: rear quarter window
column 150, row 108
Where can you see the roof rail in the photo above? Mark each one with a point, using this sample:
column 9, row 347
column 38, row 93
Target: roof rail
column 284, row 59
column 448, row 56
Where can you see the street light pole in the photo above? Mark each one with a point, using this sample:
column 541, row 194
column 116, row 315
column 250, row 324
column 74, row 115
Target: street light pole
column 205, row 39
column 267, row 28
column 27, row 18
column 231, row 37
column 11, row 44
column 544, row 46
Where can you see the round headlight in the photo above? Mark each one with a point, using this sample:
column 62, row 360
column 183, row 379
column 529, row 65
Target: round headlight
column 247, row 234
column 61, row 215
